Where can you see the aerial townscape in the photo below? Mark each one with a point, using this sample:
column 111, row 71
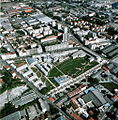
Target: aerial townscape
column 58, row 59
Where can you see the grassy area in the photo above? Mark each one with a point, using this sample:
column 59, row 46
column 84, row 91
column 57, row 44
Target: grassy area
column 72, row 67
column 19, row 33
column 19, row 61
column 3, row 50
column 92, row 81
column 8, row 109
column 44, row 80
column 110, row 86
column 38, row 73
column 47, row 88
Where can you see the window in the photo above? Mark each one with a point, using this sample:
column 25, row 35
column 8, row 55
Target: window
column 40, row 84
column 35, row 80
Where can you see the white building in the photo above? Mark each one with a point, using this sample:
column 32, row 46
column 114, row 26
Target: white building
column 79, row 53
column 65, row 35
column 59, row 26
column 4, row 1
column 63, row 45
column 8, row 56
column 30, row 51
column 44, row 105
column 27, row 72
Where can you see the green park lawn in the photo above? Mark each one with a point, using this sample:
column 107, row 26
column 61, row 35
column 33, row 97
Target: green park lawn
column 110, row 86
column 72, row 67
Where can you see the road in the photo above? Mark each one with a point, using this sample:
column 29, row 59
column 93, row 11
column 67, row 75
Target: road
column 60, row 88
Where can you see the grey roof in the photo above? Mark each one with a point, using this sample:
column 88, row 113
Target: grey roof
column 31, row 60
column 108, row 100
column 94, row 96
column 43, row 18
column 115, row 70
column 115, row 60
column 108, row 49
column 60, row 118
column 91, row 97
column 40, row 16
column 24, row 99
column 110, row 66
column 114, row 52
column 33, row 22
column 99, row 96
column 28, row 18
column 5, row 23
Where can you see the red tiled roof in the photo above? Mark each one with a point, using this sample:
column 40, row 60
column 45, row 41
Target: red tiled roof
column 90, row 118
column 76, row 117
column 91, row 112
column 28, row 8
column 105, row 68
column 76, row 91
column 49, row 37
column 51, row 99
column 6, row 66
column 28, row 11
column 115, row 97
column 10, row 53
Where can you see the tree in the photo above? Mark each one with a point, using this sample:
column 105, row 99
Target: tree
column 53, row 110
column 115, row 104
column 8, row 109
column 93, row 81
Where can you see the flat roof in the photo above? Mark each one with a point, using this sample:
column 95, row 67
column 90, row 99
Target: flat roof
column 115, row 60
column 113, row 53
column 43, row 18
column 109, row 49
column 94, row 96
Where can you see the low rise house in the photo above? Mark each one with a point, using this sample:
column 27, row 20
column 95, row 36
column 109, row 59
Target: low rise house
column 77, row 91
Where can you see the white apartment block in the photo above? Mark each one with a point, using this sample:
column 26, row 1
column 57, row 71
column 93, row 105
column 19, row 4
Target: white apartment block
column 27, row 72
column 63, row 45
column 8, row 56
